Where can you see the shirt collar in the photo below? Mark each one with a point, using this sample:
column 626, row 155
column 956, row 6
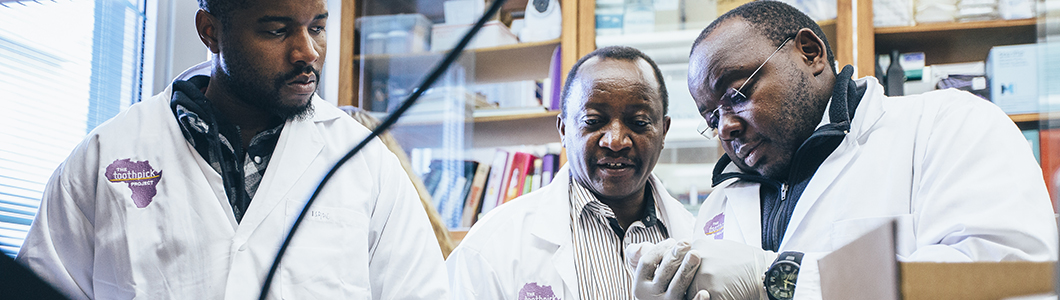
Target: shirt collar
column 582, row 197
column 825, row 120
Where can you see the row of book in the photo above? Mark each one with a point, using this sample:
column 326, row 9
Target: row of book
column 462, row 190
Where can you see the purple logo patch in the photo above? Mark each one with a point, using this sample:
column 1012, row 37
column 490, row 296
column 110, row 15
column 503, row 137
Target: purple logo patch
column 716, row 227
column 139, row 176
column 532, row 291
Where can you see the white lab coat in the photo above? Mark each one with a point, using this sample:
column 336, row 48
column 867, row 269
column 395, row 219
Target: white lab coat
column 523, row 249
column 951, row 168
column 365, row 237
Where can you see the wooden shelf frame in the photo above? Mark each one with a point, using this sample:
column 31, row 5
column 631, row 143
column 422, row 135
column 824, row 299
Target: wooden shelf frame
column 572, row 43
column 952, row 26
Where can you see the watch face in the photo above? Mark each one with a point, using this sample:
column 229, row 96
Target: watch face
column 780, row 281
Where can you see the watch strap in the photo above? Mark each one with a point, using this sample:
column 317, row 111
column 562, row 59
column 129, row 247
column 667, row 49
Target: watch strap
column 792, row 256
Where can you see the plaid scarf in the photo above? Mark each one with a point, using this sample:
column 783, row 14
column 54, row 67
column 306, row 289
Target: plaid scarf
column 220, row 143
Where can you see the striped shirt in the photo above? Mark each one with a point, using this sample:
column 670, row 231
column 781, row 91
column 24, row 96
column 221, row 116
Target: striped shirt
column 600, row 243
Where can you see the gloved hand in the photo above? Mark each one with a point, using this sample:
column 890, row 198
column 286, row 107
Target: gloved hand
column 663, row 271
column 729, row 270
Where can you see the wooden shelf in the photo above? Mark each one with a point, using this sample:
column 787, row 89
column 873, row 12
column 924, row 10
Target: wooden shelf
column 944, row 43
column 457, row 236
column 1022, row 118
column 516, row 62
column 517, row 117
column 931, row 27
column 484, row 132
column 1035, row 117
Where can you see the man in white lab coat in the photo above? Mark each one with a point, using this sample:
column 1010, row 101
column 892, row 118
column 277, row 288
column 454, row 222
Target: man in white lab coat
column 567, row 240
column 814, row 160
column 171, row 199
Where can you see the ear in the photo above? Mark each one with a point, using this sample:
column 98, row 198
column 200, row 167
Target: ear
column 562, row 129
column 207, row 26
column 812, row 49
column 666, row 125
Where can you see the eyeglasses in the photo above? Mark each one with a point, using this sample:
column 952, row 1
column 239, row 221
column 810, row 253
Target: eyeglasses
column 709, row 126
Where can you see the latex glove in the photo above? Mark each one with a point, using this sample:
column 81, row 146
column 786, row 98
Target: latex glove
column 729, row 270
column 663, row 271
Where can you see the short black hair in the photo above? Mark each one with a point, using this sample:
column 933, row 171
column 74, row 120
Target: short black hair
column 620, row 53
column 221, row 9
column 775, row 20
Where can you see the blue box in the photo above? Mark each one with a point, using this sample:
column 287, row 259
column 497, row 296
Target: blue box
column 1013, row 74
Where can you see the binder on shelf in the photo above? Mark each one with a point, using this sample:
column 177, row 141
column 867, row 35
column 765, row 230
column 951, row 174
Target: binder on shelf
column 536, row 182
column 495, row 183
column 474, row 195
column 450, row 187
column 549, row 166
column 521, row 166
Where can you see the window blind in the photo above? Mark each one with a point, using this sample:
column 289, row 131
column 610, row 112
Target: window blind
column 65, row 67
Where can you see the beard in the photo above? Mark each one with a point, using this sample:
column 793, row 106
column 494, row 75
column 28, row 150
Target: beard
column 255, row 88
column 797, row 123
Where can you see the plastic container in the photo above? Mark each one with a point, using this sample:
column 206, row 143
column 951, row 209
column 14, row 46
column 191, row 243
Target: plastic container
column 404, row 33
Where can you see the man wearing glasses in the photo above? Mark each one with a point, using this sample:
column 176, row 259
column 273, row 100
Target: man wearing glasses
column 814, row 160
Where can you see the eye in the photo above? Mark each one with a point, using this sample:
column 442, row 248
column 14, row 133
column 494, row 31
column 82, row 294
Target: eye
column 735, row 97
column 316, row 29
column 591, row 121
column 277, row 32
column 712, row 119
column 641, row 123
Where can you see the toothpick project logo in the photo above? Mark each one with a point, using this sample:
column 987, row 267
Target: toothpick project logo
column 139, row 176
column 532, row 291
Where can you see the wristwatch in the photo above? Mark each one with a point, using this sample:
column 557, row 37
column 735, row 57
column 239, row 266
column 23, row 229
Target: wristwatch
column 782, row 274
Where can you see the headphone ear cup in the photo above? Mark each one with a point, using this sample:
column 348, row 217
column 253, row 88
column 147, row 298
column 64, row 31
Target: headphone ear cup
column 541, row 5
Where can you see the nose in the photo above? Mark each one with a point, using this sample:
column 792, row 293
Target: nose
column 616, row 137
column 304, row 49
column 730, row 126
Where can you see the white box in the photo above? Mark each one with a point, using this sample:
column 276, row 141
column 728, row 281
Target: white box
column 493, row 34
column 1013, row 74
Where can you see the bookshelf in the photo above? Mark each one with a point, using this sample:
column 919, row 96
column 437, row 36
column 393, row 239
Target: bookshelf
column 491, row 65
column 454, row 135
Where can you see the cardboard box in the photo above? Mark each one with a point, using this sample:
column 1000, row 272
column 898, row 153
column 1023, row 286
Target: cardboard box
column 394, row 34
column 867, row 268
column 492, row 34
column 1012, row 71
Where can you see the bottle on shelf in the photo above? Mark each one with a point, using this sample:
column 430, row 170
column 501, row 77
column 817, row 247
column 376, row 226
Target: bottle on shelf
column 895, row 76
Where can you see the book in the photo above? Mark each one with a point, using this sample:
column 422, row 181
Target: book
column 494, row 184
column 474, row 195
column 549, row 166
column 535, row 183
column 450, row 189
column 528, row 184
column 432, row 179
column 521, row 166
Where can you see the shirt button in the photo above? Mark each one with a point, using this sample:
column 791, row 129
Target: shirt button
column 243, row 248
column 257, row 159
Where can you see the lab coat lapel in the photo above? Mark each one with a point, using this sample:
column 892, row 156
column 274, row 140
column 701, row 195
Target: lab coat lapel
column 554, row 226
column 299, row 146
column 743, row 198
column 209, row 178
column 865, row 119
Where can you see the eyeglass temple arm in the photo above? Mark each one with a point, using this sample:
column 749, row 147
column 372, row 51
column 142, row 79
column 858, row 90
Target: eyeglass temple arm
column 763, row 64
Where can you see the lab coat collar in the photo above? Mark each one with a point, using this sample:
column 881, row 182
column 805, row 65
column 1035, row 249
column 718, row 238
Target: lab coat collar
column 300, row 143
column 865, row 119
column 554, row 226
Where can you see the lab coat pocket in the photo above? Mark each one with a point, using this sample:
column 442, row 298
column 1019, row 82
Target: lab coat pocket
column 328, row 256
column 846, row 231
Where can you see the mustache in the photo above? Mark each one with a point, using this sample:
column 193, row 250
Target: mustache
column 308, row 69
